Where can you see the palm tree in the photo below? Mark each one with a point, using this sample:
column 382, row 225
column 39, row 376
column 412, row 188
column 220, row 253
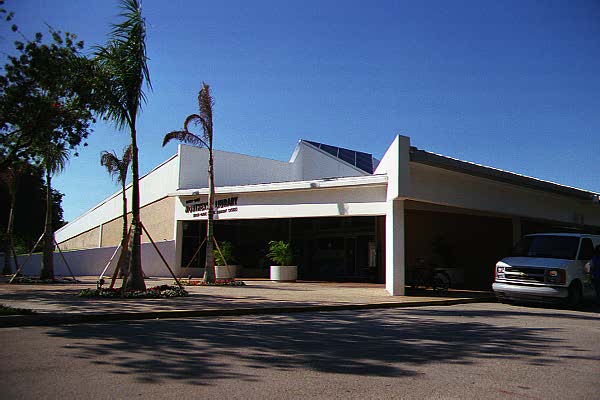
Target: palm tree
column 54, row 157
column 123, row 71
column 117, row 168
column 204, row 119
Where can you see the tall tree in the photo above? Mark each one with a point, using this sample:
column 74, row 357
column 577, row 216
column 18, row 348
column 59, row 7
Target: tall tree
column 124, row 71
column 117, row 168
column 46, row 96
column 11, row 177
column 204, row 119
column 46, row 108
column 53, row 160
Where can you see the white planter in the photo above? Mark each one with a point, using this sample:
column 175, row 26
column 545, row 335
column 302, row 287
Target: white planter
column 226, row 272
column 284, row 273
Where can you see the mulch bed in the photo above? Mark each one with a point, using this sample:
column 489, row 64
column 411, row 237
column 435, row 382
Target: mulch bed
column 218, row 282
column 32, row 280
column 156, row 292
column 8, row 310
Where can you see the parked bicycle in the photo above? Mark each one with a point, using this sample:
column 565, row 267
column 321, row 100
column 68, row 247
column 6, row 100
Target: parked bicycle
column 426, row 276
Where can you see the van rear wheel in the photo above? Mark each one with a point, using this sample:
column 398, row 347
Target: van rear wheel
column 575, row 295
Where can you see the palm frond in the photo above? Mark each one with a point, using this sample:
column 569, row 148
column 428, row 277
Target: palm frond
column 54, row 158
column 195, row 118
column 116, row 167
column 110, row 161
column 111, row 87
column 183, row 136
column 124, row 64
column 127, row 155
column 205, row 105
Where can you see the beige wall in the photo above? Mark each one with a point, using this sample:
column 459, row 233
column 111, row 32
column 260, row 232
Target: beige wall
column 85, row 240
column 158, row 218
column 112, row 231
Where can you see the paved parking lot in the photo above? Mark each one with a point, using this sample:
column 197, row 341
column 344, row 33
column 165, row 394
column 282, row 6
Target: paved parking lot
column 476, row 351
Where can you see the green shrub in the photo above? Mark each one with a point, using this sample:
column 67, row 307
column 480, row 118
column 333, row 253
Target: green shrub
column 280, row 252
column 227, row 250
column 8, row 310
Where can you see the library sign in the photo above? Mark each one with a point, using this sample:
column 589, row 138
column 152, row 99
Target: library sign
column 221, row 206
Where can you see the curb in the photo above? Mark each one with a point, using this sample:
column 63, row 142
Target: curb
column 62, row 319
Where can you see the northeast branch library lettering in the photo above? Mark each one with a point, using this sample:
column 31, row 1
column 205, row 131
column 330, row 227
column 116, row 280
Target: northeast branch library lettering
column 198, row 209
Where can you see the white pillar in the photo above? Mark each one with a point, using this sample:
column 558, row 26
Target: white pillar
column 394, row 248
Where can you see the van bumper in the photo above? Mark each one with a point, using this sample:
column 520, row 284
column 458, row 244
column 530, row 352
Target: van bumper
column 531, row 293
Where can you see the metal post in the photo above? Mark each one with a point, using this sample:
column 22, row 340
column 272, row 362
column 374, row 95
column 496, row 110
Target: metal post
column 19, row 269
column 64, row 259
column 193, row 258
column 109, row 261
column 161, row 256
column 124, row 250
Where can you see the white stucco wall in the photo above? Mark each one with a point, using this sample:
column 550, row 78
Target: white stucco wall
column 310, row 162
column 344, row 201
column 440, row 186
column 230, row 168
column 91, row 262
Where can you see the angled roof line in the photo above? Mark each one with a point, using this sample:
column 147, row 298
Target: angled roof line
column 358, row 159
column 470, row 168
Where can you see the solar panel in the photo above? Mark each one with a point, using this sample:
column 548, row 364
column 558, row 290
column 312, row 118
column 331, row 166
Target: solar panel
column 347, row 155
column 363, row 161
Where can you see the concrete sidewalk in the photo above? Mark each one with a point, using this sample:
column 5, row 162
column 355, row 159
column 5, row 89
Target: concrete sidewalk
column 59, row 303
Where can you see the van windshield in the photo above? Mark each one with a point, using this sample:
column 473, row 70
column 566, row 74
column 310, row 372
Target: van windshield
column 547, row 246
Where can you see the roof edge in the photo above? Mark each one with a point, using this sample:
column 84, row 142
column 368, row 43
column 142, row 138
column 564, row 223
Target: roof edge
column 470, row 168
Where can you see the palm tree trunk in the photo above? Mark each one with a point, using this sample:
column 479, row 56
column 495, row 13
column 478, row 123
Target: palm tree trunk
column 135, row 279
column 48, row 254
column 209, row 267
column 9, row 246
column 124, row 215
column 124, row 268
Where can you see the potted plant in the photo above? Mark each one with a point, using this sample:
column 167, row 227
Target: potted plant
column 225, row 261
column 280, row 253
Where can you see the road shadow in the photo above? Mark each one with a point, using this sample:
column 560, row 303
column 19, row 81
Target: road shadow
column 66, row 301
column 383, row 344
column 588, row 312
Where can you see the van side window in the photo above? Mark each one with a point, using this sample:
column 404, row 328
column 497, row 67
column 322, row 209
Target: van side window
column 587, row 249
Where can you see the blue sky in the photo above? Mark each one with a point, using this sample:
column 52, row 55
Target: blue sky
column 510, row 84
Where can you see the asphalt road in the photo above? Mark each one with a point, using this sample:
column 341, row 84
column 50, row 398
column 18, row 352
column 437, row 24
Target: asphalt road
column 456, row 352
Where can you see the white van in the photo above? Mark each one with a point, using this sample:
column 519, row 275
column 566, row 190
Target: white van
column 547, row 267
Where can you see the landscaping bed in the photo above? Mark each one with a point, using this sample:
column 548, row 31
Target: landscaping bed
column 31, row 280
column 8, row 310
column 156, row 292
column 218, row 282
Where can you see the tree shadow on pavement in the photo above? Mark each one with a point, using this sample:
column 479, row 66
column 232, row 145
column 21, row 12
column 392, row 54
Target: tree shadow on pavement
column 382, row 343
column 586, row 311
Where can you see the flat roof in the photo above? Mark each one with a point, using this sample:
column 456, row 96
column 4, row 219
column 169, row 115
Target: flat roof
column 365, row 180
column 482, row 171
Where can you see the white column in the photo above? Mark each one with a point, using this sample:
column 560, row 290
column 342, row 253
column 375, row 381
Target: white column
column 394, row 248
